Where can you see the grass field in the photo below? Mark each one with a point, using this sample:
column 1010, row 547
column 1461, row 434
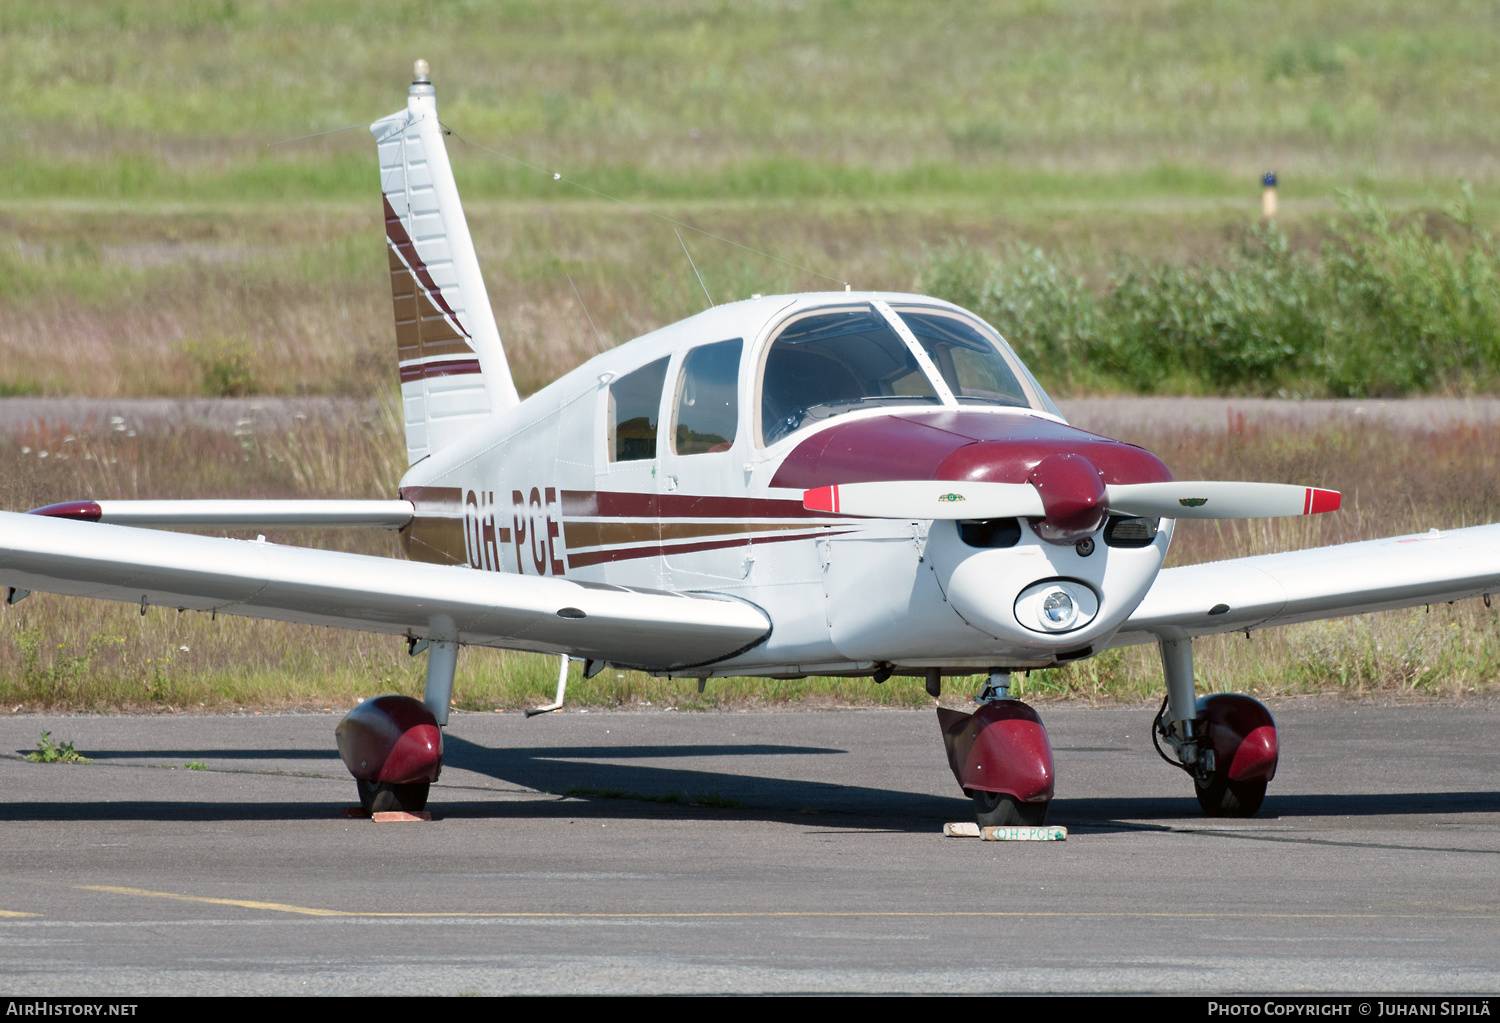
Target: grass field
column 178, row 98
column 154, row 241
column 1086, row 174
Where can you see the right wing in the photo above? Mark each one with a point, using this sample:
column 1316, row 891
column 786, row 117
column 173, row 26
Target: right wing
column 1323, row 582
column 650, row 629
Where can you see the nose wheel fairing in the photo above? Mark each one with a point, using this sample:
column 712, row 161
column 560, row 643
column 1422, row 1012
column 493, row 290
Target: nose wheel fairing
column 1001, row 748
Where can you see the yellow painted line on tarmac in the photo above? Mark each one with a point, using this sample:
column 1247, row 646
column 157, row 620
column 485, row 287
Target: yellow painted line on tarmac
column 282, row 907
column 13, row 914
column 279, row 907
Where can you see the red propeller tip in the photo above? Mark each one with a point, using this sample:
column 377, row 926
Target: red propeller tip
column 1322, row 501
column 823, row 499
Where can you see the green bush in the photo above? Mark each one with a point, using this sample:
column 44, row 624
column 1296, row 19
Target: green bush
column 227, row 365
column 1383, row 308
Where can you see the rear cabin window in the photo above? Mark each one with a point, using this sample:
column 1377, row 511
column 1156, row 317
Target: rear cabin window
column 708, row 407
column 835, row 362
column 634, row 408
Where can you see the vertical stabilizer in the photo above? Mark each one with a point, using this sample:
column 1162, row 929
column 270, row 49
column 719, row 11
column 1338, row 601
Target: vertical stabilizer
column 454, row 375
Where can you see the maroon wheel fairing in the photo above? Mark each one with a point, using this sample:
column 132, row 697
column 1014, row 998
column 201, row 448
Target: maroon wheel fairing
column 1001, row 747
column 1242, row 734
column 393, row 739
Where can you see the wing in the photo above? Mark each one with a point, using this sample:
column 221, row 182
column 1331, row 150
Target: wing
column 649, row 629
column 236, row 514
column 1325, row 582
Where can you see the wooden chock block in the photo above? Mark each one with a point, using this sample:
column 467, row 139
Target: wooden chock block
column 961, row 829
column 396, row 816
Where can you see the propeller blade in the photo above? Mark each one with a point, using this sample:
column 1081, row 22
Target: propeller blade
column 928, row 499
column 1218, row 499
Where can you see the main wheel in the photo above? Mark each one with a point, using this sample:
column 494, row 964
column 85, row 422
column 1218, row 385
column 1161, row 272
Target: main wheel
column 1224, row 798
column 383, row 797
column 1002, row 810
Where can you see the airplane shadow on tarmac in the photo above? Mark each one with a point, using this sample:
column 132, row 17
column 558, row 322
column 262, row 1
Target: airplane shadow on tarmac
column 606, row 784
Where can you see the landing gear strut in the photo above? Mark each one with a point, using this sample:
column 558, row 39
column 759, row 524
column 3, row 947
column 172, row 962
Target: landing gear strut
column 1227, row 742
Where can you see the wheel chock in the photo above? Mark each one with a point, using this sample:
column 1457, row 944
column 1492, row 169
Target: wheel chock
column 1023, row 834
column 961, row 829
column 391, row 816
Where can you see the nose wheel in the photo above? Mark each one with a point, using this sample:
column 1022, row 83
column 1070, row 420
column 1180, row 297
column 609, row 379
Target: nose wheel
column 1000, row 757
column 384, row 797
column 1003, row 810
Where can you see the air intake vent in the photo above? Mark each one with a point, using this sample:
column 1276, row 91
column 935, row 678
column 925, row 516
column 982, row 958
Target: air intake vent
column 990, row 532
column 1120, row 532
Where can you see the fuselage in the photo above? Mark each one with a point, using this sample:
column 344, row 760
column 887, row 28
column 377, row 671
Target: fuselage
column 678, row 462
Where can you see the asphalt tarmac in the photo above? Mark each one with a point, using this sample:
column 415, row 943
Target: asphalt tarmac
column 803, row 854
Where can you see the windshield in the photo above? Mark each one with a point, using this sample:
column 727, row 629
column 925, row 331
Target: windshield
column 971, row 366
column 976, row 363
column 833, row 362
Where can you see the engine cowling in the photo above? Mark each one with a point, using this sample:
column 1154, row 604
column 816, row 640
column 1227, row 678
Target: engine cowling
column 393, row 739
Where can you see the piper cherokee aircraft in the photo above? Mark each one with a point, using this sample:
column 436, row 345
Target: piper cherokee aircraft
column 844, row 483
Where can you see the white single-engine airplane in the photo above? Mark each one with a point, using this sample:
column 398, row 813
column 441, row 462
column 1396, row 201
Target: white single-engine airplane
column 836, row 483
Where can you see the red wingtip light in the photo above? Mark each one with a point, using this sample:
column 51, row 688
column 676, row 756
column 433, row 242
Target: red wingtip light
column 1322, row 500
column 823, row 499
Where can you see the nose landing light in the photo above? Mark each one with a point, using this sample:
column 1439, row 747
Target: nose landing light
column 1058, row 605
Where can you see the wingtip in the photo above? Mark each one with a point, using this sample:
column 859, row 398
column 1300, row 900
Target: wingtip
column 82, row 511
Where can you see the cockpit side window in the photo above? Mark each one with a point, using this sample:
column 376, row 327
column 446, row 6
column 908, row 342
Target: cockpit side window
column 833, row 362
column 708, row 405
column 634, row 409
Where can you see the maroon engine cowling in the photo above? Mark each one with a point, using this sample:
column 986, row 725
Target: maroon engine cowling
column 1242, row 734
column 391, row 739
column 1001, row 747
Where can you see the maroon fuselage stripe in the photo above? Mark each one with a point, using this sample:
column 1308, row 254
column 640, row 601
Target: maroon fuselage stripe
column 660, row 550
column 428, row 370
column 395, row 233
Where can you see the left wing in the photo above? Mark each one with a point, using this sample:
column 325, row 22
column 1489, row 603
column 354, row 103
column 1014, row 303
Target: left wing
column 650, row 629
column 234, row 514
column 1324, row 582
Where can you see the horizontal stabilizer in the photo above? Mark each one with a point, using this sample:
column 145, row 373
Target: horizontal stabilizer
column 237, row 514
column 1218, row 499
column 643, row 628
